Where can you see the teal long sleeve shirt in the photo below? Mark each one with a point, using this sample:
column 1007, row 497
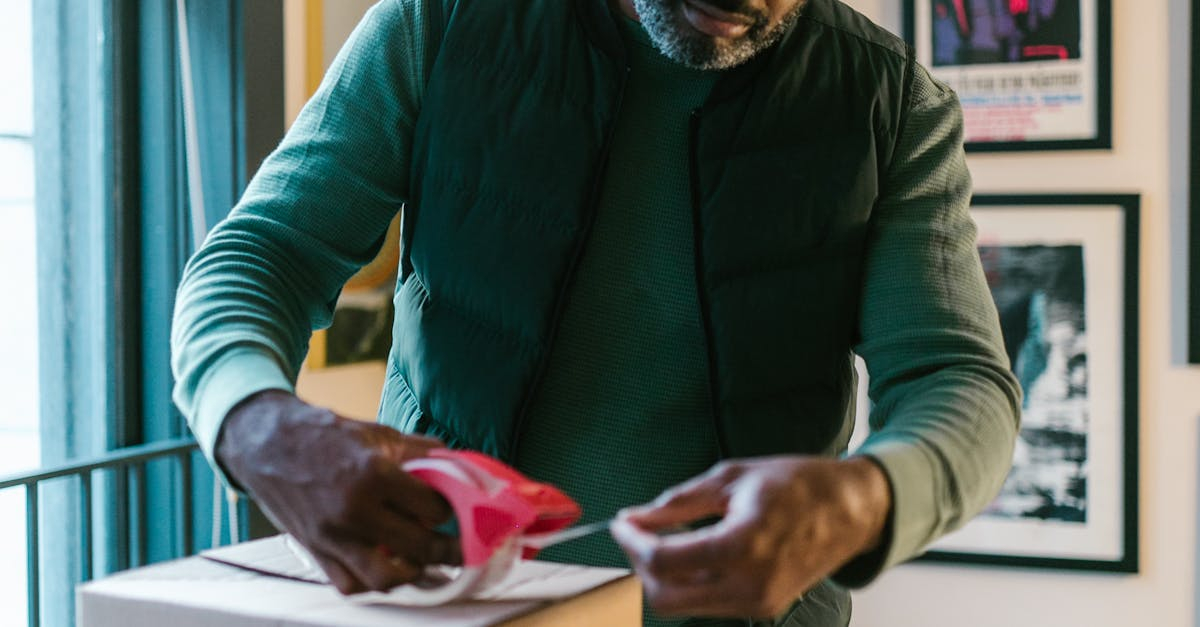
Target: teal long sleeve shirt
column 320, row 204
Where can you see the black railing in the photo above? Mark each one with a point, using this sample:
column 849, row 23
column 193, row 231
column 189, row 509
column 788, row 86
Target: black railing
column 132, row 462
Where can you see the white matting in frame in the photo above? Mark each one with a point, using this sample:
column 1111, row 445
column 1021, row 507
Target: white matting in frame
column 1063, row 270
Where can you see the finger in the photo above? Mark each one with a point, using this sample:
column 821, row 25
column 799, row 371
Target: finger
column 681, row 557
column 637, row 543
column 452, row 552
column 374, row 568
column 714, row 599
column 644, row 550
column 701, row 591
column 410, row 496
column 400, row 447
column 406, row 538
column 338, row 575
column 718, row 547
column 713, row 594
column 700, row 498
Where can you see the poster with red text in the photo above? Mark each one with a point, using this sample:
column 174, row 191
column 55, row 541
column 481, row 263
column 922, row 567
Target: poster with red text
column 1030, row 74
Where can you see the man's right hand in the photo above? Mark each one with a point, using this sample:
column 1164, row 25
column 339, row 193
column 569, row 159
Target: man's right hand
column 336, row 485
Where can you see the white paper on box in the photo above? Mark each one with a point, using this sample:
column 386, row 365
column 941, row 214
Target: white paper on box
column 271, row 587
column 528, row 580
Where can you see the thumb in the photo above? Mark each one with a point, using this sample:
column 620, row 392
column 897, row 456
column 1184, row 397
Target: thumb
column 401, row 447
column 702, row 497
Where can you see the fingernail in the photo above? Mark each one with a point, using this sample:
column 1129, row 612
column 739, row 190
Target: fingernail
column 633, row 512
column 449, row 552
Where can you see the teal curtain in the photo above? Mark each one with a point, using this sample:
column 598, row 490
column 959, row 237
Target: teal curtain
column 114, row 232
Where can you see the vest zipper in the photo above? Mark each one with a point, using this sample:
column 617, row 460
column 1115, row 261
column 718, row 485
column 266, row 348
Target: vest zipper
column 560, row 302
column 701, row 292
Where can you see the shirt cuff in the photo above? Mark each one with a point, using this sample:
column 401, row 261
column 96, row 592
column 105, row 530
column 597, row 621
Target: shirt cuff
column 241, row 372
column 914, row 510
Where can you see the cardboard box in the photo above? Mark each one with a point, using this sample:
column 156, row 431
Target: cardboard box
column 197, row 591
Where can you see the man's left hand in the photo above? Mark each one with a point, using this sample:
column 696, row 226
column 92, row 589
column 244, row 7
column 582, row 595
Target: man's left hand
column 786, row 523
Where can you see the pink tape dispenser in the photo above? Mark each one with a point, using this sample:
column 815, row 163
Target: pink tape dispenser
column 502, row 516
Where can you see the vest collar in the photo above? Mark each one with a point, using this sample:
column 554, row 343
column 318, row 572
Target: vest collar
column 601, row 28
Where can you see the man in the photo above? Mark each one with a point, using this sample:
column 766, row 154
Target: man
column 639, row 238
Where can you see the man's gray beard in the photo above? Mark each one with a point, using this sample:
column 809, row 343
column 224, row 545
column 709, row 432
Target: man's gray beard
column 674, row 36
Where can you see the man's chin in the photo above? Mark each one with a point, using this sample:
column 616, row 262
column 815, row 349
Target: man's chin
column 688, row 40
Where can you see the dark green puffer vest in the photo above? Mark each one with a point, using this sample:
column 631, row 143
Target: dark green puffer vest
column 509, row 152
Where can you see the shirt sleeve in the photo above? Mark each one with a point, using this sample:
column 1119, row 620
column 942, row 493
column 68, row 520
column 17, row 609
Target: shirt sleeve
column 316, row 211
column 946, row 405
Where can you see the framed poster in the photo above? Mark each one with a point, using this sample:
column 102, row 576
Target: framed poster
column 1193, row 272
column 1031, row 74
column 1063, row 271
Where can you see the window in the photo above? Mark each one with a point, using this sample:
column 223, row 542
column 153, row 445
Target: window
column 92, row 248
column 19, row 446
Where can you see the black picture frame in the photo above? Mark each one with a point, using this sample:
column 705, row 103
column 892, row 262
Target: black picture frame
column 1101, row 139
column 1003, row 547
column 1193, row 267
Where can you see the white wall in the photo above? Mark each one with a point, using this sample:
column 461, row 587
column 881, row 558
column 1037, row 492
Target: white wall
column 337, row 19
column 1150, row 51
column 295, row 91
column 341, row 16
